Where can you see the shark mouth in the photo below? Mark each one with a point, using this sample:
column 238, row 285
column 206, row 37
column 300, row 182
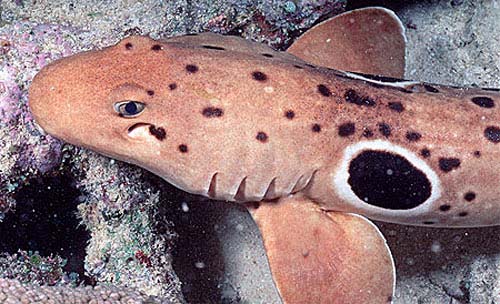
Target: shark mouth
column 142, row 130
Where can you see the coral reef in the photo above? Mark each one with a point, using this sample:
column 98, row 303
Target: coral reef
column 13, row 292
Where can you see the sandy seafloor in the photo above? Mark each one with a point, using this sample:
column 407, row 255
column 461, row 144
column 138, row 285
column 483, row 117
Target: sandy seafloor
column 138, row 232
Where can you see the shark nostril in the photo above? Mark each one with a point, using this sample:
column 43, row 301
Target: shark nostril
column 146, row 130
column 137, row 125
column 137, row 130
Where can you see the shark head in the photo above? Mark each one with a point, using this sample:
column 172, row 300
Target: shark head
column 106, row 100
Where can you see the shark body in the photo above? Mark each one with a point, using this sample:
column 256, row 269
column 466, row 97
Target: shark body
column 234, row 120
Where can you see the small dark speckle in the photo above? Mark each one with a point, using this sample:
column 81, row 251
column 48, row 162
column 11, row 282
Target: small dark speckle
column 212, row 112
column 311, row 66
column 396, row 106
column 172, row 86
column 267, row 55
column 483, row 102
column 261, row 136
column 413, row 136
column 259, row 76
column 384, row 129
column 448, row 164
column 316, row 128
column 469, row 196
column 426, row 153
column 159, row 132
column 347, row 129
column 430, row 88
column 156, row 47
column 444, row 208
column 324, row 90
column 211, row 47
column 298, row 66
column 128, row 46
column 463, row 213
column 150, row 92
column 289, row 114
column 428, row 223
column 191, row 68
column 492, row 134
column 183, row 148
column 367, row 133
column 477, row 153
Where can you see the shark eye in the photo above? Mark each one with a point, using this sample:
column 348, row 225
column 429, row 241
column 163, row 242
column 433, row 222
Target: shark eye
column 129, row 108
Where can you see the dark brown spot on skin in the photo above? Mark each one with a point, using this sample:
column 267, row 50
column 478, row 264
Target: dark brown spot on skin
column 159, row 132
column 396, row 106
column 347, row 129
column 267, row 55
column 448, row 164
column 428, row 223
column 324, row 90
column 413, row 136
column 150, row 92
column 462, row 214
column 367, row 133
column 316, row 128
column 352, row 96
column 191, row 68
column 483, row 102
column 426, row 153
column 444, row 208
column 289, row 114
column 211, row 47
column 156, row 47
column 469, row 196
column 477, row 153
column 212, row 112
column 430, row 88
column 492, row 134
column 172, row 86
column 261, row 136
column 183, row 148
column 259, row 76
column 128, row 46
column 384, row 129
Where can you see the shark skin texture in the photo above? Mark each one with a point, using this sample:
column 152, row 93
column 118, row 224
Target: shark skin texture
column 310, row 150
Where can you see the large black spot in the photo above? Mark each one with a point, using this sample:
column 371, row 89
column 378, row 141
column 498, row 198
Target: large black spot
column 387, row 180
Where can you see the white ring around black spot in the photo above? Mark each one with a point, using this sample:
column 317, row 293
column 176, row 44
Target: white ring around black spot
column 344, row 190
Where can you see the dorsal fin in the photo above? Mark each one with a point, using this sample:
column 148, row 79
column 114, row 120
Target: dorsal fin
column 369, row 40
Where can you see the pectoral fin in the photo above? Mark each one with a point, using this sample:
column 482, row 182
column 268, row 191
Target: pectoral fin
column 369, row 40
column 324, row 257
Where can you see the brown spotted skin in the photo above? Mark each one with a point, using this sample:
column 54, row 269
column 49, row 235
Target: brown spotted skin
column 239, row 121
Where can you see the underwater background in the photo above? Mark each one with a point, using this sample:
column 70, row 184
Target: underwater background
column 72, row 218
